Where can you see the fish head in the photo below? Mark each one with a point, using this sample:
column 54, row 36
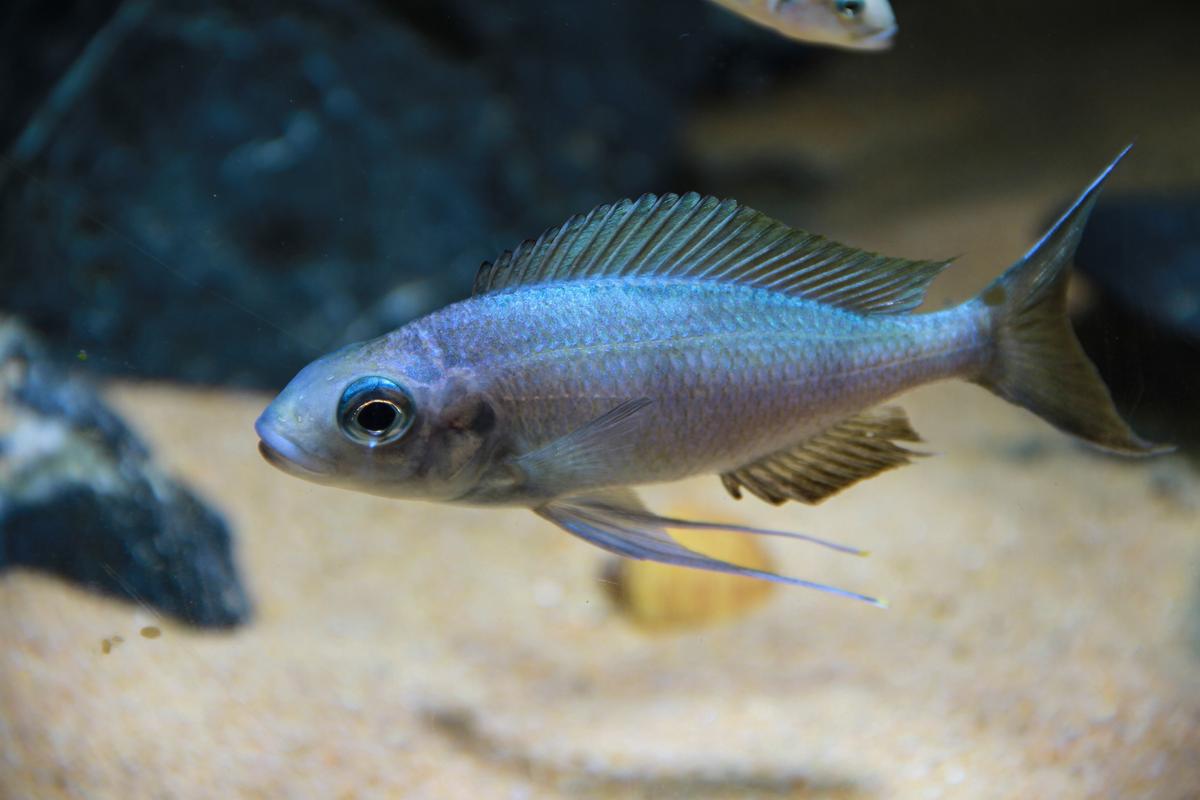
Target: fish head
column 852, row 24
column 381, row 418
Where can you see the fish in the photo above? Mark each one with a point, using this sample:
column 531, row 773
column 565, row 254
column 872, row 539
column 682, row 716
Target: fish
column 848, row 24
column 669, row 336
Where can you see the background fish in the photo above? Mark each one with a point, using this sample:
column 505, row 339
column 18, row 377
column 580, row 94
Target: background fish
column 671, row 336
column 852, row 24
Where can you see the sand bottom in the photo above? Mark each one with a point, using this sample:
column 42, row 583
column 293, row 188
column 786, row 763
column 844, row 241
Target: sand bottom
column 1043, row 641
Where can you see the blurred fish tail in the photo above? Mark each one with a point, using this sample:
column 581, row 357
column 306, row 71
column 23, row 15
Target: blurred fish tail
column 1036, row 362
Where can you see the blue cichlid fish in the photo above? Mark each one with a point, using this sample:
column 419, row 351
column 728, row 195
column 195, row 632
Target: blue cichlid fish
column 670, row 336
column 850, row 24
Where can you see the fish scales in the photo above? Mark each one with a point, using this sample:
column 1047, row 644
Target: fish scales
column 735, row 372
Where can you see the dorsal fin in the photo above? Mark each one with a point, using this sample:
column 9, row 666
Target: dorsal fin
column 704, row 238
column 856, row 448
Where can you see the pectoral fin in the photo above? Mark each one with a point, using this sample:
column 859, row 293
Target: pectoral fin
column 615, row 520
column 853, row 450
column 585, row 454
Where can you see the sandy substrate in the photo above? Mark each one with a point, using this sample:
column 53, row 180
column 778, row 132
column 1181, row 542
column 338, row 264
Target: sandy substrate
column 1042, row 642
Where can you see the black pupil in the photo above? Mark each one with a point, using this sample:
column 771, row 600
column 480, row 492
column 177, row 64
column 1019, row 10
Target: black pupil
column 852, row 6
column 376, row 416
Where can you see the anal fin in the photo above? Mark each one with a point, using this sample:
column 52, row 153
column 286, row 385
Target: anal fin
column 855, row 449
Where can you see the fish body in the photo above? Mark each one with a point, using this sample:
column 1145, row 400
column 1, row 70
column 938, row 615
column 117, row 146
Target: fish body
column 850, row 24
column 655, row 339
column 734, row 371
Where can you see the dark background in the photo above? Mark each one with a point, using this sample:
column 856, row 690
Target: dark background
column 231, row 189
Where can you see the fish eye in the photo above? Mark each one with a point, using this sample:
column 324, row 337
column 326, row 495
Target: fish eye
column 850, row 9
column 375, row 411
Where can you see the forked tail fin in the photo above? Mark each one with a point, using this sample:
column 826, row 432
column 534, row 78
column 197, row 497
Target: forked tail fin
column 1036, row 361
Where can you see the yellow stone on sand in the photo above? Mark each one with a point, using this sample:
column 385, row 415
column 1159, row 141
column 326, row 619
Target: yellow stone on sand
column 663, row 597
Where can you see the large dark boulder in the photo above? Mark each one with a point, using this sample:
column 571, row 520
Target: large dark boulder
column 1141, row 256
column 233, row 187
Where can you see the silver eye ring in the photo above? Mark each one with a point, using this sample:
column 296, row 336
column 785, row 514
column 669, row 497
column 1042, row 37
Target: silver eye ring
column 375, row 411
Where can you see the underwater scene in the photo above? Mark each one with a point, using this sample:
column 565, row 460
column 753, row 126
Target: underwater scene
column 679, row 399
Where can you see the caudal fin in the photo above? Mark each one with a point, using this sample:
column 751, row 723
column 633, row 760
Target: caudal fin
column 1036, row 360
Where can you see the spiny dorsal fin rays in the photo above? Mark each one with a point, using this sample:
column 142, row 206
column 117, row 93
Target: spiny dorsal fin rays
column 704, row 238
column 854, row 449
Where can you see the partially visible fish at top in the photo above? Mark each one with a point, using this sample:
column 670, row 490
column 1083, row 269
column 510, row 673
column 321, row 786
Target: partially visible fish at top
column 663, row 337
column 851, row 24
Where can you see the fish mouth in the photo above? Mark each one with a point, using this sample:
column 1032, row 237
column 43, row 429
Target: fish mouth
column 881, row 40
column 284, row 454
column 271, row 456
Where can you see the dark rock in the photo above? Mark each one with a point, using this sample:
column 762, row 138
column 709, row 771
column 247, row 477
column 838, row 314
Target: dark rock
column 38, row 41
column 1143, row 253
column 80, row 497
column 1141, row 257
column 244, row 185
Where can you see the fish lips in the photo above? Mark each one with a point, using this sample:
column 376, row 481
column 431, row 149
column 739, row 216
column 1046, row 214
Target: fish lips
column 881, row 40
column 285, row 455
